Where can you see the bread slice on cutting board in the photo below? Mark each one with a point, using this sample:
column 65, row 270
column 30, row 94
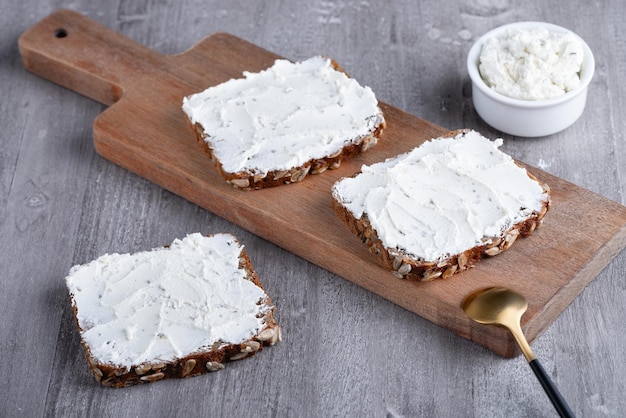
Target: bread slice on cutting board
column 439, row 208
column 279, row 125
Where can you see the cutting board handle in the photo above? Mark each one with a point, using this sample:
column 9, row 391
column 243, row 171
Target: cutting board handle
column 82, row 55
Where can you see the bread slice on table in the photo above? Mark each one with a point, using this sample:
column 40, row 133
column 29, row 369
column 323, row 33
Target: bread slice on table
column 281, row 124
column 174, row 311
column 440, row 208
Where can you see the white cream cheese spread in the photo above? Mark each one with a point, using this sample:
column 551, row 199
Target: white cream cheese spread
column 284, row 116
column 442, row 198
column 167, row 303
column 532, row 64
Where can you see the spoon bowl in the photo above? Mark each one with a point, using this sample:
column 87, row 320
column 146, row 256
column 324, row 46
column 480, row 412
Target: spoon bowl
column 500, row 306
column 495, row 305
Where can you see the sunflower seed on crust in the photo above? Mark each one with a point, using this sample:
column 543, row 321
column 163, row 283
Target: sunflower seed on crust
column 188, row 367
column 143, row 369
column 368, row 143
column 240, row 183
column 278, row 336
column 97, row 373
column 404, row 269
column 430, row 275
column 111, row 381
column 397, row 275
column 266, row 335
column 462, row 261
column 510, row 238
column 299, row 175
column 319, row 168
column 493, row 251
column 396, row 263
column 250, row 346
column 153, row 377
column 214, row 366
column 280, row 174
column 239, row 356
column 449, row 271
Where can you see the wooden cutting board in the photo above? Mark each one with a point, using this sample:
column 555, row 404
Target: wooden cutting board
column 145, row 131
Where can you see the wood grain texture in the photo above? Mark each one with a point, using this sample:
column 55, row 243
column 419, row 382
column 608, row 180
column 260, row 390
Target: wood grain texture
column 346, row 350
column 146, row 132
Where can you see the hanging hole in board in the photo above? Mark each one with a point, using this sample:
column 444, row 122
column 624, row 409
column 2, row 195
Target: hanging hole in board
column 60, row 33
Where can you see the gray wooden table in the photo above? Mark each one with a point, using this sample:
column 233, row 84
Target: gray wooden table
column 345, row 351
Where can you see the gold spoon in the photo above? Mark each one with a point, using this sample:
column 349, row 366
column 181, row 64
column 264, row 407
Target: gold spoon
column 501, row 306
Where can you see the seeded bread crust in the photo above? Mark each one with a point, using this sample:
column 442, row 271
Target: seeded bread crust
column 208, row 360
column 245, row 180
column 406, row 266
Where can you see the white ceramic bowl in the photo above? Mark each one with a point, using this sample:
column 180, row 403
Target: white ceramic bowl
column 528, row 118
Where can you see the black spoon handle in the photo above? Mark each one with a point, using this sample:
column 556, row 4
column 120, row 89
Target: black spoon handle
column 553, row 393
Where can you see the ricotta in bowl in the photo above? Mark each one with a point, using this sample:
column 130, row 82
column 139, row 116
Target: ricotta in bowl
column 532, row 64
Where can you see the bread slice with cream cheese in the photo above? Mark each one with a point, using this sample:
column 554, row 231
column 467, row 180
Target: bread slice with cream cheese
column 438, row 209
column 174, row 311
column 279, row 125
